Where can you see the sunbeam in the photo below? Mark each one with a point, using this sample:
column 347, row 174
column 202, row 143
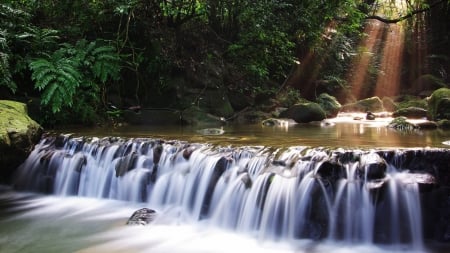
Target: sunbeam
column 389, row 78
column 356, row 77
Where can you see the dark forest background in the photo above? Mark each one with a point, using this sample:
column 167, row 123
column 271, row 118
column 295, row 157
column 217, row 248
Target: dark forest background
column 81, row 62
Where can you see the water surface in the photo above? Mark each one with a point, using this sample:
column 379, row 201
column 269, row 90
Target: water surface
column 338, row 132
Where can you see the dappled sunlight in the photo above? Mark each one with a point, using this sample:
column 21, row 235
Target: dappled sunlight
column 379, row 68
column 358, row 74
column 389, row 78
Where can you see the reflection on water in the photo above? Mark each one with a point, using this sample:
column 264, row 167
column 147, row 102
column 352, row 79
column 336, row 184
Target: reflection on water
column 339, row 132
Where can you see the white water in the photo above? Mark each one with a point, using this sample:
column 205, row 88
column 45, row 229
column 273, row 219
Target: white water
column 35, row 223
column 218, row 199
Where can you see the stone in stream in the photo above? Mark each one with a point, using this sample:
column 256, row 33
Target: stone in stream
column 142, row 216
column 211, row 131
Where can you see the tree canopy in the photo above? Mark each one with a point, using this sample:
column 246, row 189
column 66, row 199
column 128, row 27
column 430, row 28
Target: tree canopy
column 78, row 56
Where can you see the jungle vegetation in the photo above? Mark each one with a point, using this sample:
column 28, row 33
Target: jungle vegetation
column 77, row 57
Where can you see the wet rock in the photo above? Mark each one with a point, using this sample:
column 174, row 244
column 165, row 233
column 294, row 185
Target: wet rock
column 219, row 169
column 275, row 122
column 426, row 125
column 374, row 167
column 247, row 180
column 125, row 164
column 373, row 104
column 187, row 152
column 304, row 113
column 279, row 163
column 211, row 131
column 329, row 104
column 370, row 116
column 444, row 124
column 401, row 123
column 18, row 134
column 142, row 217
column 439, row 104
column 329, row 168
column 411, row 112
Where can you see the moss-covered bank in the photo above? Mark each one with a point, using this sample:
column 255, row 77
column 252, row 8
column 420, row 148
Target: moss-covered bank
column 18, row 134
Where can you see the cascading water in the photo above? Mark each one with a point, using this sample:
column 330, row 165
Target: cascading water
column 364, row 197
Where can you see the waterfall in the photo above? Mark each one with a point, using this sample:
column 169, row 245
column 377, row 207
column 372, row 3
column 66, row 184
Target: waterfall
column 355, row 196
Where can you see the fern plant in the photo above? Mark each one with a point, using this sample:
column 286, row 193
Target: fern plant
column 58, row 78
column 80, row 71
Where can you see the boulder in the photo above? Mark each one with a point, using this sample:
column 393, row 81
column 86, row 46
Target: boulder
column 329, row 104
column 142, row 216
column 304, row 113
column 439, row 104
column 373, row 104
column 444, row 124
column 411, row 112
column 401, row 123
column 426, row 125
column 374, row 166
column 18, row 134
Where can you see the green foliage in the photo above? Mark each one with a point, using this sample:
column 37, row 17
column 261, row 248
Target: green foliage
column 267, row 47
column 288, row 97
column 5, row 71
column 71, row 76
column 58, row 78
column 439, row 104
column 11, row 25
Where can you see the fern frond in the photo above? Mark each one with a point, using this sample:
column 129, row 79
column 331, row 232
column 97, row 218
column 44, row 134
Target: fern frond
column 58, row 78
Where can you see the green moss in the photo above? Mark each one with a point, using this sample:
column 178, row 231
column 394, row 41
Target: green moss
column 439, row 104
column 412, row 101
column 14, row 119
column 329, row 104
column 401, row 123
column 373, row 104
column 444, row 124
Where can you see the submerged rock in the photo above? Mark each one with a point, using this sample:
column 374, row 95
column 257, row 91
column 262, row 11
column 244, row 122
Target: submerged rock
column 142, row 216
column 211, row 131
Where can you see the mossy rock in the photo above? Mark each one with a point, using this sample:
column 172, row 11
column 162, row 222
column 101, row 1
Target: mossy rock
column 439, row 104
column 18, row 134
column 411, row 112
column 401, row 123
column 329, row 104
column 373, row 104
column 444, row 124
column 304, row 113
column 389, row 104
column 412, row 101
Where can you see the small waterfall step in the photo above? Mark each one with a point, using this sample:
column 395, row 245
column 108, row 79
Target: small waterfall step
column 355, row 196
